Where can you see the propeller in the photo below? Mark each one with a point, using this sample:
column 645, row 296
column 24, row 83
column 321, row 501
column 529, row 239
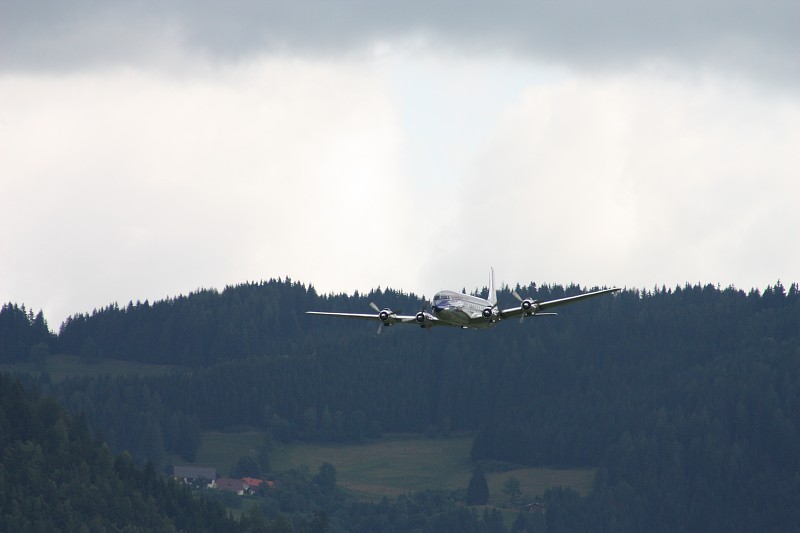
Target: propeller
column 488, row 312
column 383, row 314
column 420, row 316
column 528, row 305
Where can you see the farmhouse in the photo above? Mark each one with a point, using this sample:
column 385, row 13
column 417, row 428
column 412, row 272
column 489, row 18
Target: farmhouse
column 229, row 484
column 194, row 475
column 251, row 484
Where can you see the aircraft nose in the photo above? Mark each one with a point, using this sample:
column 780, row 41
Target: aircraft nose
column 438, row 307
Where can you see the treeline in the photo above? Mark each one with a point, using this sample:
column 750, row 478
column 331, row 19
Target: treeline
column 132, row 416
column 686, row 398
column 23, row 335
column 205, row 327
column 309, row 502
column 54, row 477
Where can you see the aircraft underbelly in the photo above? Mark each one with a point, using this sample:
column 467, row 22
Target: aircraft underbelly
column 455, row 316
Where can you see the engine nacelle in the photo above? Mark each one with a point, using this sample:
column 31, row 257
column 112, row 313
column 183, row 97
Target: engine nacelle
column 529, row 306
column 385, row 314
column 487, row 313
column 420, row 318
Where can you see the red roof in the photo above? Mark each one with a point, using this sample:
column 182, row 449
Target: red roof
column 253, row 482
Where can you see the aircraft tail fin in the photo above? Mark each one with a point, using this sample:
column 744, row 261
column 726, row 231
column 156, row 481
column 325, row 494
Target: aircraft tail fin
column 492, row 293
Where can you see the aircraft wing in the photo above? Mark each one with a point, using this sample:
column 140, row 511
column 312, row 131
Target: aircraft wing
column 386, row 318
column 535, row 307
column 365, row 316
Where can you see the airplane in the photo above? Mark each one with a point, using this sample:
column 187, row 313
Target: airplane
column 452, row 308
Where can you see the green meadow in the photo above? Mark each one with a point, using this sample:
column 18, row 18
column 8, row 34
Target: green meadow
column 393, row 465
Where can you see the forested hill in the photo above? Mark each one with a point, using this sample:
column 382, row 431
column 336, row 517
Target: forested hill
column 208, row 326
column 686, row 399
column 267, row 318
column 54, row 477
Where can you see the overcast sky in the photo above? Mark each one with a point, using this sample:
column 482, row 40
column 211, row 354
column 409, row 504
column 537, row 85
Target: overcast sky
column 148, row 149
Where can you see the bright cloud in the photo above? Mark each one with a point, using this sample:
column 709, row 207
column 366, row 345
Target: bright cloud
column 124, row 185
column 659, row 180
column 146, row 153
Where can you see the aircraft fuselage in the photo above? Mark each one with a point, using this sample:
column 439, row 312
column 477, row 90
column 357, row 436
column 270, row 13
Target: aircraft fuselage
column 463, row 310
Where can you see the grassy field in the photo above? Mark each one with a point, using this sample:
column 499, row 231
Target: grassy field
column 61, row 367
column 391, row 466
column 222, row 450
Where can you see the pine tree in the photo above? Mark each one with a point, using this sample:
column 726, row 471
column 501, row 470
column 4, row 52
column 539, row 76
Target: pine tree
column 511, row 489
column 478, row 489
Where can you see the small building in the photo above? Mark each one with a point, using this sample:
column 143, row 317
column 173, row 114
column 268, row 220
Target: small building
column 252, row 484
column 195, row 475
column 536, row 507
column 229, row 484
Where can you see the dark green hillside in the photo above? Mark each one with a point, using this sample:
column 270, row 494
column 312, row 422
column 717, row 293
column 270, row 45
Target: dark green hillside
column 685, row 399
column 54, row 477
column 208, row 326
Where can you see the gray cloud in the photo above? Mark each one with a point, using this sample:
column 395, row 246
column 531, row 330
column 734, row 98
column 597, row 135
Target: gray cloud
column 634, row 157
column 743, row 38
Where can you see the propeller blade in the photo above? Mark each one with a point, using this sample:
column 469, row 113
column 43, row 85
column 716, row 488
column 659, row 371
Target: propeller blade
column 518, row 297
column 375, row 307
column 380, row 328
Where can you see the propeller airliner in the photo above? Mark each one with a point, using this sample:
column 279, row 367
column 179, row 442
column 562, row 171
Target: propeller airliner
column 451, row 308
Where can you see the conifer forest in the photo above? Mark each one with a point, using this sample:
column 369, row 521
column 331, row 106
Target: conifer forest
column 686, row 401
